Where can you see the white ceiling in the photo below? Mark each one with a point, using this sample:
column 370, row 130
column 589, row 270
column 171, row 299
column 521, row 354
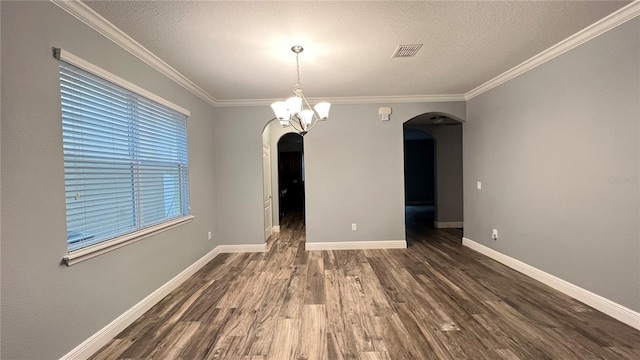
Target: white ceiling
column 241, row 50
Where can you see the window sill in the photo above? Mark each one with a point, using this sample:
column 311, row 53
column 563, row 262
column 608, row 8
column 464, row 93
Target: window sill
column 89, row 252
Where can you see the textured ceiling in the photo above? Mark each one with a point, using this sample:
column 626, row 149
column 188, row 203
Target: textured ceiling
column 241, row 50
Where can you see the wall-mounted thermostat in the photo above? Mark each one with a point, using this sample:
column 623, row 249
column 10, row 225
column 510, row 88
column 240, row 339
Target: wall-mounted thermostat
column 384, row 113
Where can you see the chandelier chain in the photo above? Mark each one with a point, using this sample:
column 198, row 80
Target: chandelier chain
column 298, row 87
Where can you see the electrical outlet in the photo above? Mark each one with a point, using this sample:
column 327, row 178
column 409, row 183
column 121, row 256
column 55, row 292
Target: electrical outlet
column 209, row 235
column 354, row 226
column 494, row 234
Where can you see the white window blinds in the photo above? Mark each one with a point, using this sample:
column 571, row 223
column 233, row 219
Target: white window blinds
column 125, row 160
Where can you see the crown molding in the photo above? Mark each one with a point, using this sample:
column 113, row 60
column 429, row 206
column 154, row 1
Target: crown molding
column 88, row 16
column 351, row 100
column 619, row 17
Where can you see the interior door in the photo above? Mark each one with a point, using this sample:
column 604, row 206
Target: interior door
column 266, row 175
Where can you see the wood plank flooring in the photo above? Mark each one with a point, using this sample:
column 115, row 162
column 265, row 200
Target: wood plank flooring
column 434, row 300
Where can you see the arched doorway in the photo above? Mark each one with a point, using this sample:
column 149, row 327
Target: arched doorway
column 279, row 144
column 433, row 173
column 291, row 175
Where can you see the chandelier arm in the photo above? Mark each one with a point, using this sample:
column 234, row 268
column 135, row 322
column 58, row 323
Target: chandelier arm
column 307, row 127
column 315, row 117
column 295, row 120
column 312, row 125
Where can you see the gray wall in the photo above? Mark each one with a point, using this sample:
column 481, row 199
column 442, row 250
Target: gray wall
column 353, row 166
column 448, row 145
column 557, row 151
column 354, row 172
column 48, row 308
column 238, row 156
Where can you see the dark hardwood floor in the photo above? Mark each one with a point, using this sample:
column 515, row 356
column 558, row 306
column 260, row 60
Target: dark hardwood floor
column 434, row 300
column 419, row 222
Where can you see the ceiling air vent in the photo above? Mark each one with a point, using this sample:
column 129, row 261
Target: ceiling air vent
column 406, row 51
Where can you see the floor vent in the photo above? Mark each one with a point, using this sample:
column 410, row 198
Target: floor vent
column 406, row 51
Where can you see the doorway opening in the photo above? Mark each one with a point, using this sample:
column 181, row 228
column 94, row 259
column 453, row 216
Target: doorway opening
column 291, row 194
column 433, row 175
column 419, row 180
column 284, row 183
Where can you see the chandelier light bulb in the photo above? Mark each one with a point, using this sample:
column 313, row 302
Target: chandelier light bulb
column 280, row 109
column 294, row 104
column 322, row 109
column 306, row 116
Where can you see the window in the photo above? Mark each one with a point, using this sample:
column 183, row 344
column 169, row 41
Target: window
column 125, row 161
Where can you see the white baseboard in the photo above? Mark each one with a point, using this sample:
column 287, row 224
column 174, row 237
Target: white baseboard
column 615, row 310
column 104, row 335
column 242, row 248
column 448, row 224
column 276, row 228
column 357, row 245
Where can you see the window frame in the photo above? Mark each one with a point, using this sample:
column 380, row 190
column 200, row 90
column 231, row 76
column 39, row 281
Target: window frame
column 87, row 252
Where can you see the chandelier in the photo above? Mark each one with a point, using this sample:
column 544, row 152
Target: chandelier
column 296, row 111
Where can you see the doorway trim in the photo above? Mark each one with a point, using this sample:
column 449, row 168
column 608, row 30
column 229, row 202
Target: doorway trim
column 267, row 194
column 271, row 134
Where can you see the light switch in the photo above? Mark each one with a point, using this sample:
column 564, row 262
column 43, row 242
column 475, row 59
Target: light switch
column 479, row 185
